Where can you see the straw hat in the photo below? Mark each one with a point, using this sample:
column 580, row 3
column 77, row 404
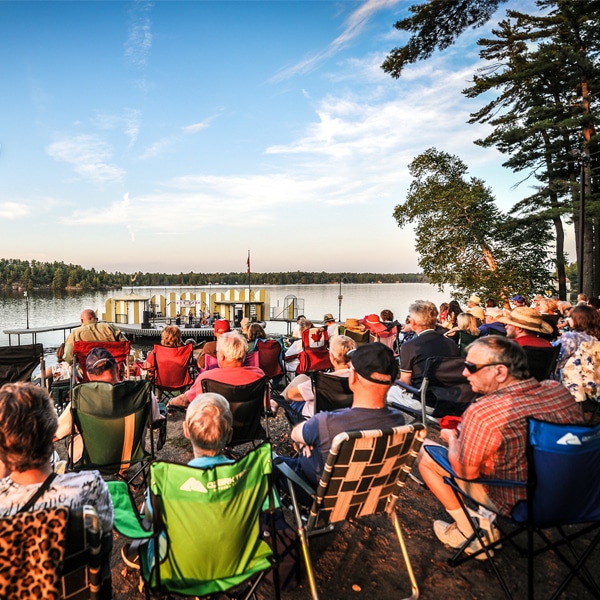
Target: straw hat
column 526, row 318
column 477, row 312
column 352, row 324
column 475, row 299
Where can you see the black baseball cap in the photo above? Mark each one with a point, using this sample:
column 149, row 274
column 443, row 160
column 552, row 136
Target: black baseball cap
column 374, row 358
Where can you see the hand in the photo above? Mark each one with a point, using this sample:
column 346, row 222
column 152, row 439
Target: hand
column 448, row 435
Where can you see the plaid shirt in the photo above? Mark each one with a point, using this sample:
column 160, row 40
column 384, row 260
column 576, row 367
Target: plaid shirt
column 494, row 432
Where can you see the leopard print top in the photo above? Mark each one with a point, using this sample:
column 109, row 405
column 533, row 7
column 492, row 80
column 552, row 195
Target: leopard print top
column 32, row 546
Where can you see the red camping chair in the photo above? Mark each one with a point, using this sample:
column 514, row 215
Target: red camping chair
column 270, row 357
column 119, row 350
column 315, row 353
column 171, row 369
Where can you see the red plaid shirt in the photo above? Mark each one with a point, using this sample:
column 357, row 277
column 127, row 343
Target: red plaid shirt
column 494, row 432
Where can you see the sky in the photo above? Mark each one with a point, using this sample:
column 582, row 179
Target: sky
column 174, row 136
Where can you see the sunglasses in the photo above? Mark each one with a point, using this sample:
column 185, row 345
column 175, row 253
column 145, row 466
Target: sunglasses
column 473, row 368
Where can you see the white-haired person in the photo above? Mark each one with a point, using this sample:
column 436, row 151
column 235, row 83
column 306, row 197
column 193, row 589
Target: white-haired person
column 231, row 352
column 297, row 399
column 208, row 425
column 28, row 423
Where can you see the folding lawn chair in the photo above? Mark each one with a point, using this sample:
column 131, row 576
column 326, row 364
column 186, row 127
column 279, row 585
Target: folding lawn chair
column 364, row 475
column 112, row 421
column 119, row 350
column 248, row 404
column 563, row 489
column 17, row 363
column 210, row 520
column 52, row 553
column 542, row 361
column 444, row 389
column 172, row 370
column 331, row 392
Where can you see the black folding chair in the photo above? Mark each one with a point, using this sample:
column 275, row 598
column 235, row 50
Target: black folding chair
column 248, row 404
column 542, row 361
column 444, row 388
column 17, row 363
column 331, row 392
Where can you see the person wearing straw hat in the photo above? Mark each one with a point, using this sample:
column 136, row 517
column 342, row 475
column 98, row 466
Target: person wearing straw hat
column 524, row 325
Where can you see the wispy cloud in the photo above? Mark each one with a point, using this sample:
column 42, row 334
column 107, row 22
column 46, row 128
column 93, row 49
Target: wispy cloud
column 157, row 148
column 354, row 25
column 139, row 40
column 129, row 121
column 195, row 127
column 89, row 156
column 14, row 210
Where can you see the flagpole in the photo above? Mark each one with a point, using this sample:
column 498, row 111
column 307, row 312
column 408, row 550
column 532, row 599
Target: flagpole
column 249, row 275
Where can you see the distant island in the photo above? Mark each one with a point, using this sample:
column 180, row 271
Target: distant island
column 57, row 276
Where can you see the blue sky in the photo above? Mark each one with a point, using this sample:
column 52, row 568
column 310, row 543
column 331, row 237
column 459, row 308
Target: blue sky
column 175, row 136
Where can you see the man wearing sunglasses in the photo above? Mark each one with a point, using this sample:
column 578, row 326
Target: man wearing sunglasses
column 491, row 439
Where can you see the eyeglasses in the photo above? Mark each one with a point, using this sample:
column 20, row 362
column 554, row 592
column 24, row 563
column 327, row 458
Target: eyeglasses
column 473, row 368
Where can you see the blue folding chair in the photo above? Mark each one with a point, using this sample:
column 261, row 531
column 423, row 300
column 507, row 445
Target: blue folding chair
column 563, row 488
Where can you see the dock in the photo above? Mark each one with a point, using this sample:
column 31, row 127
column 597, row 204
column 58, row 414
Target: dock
column 33, row 332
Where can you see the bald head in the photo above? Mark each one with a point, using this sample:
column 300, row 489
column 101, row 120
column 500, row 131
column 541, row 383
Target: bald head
column 88, row 316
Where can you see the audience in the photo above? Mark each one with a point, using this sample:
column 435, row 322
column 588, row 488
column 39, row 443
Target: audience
column 298, row 398
column 524, row 325
column 231, row 352
column 584, row 326
column 171, row 338
column 492, row 325
column 221, row 326
column 28, row 424
column 255, row 332
column 373, row 370
column 492, row 437
column 91, row 331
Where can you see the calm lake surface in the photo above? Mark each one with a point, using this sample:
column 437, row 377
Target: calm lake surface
column 358, row 300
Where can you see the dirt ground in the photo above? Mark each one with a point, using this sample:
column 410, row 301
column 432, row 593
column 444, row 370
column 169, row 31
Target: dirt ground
column 363, row 559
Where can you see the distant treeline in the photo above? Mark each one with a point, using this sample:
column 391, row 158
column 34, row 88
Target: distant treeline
column 58, row 276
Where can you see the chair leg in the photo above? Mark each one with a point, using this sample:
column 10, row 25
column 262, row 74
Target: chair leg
column 413, row 582
column 304, row 543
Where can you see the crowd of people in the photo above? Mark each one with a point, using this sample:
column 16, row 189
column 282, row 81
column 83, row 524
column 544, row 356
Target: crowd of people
column 374, row 354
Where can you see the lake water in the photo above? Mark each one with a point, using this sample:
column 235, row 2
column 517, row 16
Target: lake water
column 358, row 300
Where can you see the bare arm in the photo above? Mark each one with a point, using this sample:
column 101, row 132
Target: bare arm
column 451, row 437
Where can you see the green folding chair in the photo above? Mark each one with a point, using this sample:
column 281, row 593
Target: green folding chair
column 206, row 523
column 112, row 421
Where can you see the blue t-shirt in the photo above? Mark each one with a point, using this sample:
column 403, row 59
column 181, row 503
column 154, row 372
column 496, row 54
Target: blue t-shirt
column 320, row 430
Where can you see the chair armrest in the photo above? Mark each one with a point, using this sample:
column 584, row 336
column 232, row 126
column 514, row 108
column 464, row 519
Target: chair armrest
column 408, row 388
column 292, row 476
column 127, row 519
column 439, row 454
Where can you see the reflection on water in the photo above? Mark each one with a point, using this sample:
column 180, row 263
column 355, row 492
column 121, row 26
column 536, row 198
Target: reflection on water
column 45, row 308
